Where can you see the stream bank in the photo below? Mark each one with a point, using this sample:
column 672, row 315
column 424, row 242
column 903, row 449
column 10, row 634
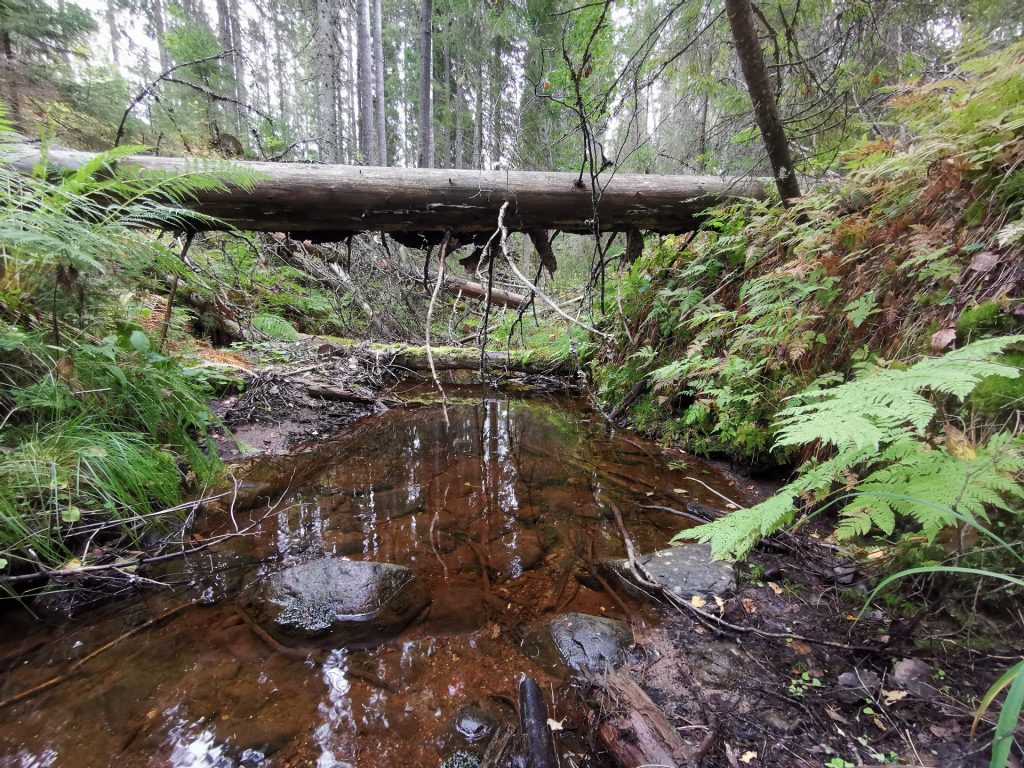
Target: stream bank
column 477, row 544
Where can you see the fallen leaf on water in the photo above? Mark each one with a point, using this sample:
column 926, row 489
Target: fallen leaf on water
column 891, row 697
column 746, row 757
column 698, row 602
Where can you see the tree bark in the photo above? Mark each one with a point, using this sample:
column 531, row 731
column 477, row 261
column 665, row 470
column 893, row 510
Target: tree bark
column 327, row 74
column 337, row 200
column 364, row 85
column 425, row 128
column 766, row 110
column 378, row 67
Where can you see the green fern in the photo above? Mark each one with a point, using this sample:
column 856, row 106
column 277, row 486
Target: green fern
column 884, row 406
column 275, row 327
column 920, row 480
column 877, row 424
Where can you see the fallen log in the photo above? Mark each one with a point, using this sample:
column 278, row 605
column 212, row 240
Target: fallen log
column 460, row 359
column 477, row 291
column 345, row 396
column 638, row 734
column 338, row 200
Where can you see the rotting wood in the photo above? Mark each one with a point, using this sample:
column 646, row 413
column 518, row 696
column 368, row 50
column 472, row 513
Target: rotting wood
column 345, row 396
column 479, row 292
column 639, row 734
column 342, row 199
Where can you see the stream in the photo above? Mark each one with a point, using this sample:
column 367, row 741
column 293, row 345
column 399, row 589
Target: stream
column 491, row 517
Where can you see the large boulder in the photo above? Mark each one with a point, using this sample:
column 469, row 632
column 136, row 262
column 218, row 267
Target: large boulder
column 685, row 570
column 341, row 603
column 581, row 642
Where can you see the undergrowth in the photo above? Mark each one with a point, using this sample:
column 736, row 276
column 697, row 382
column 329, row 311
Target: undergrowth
column 917, row 251
column 99, row 428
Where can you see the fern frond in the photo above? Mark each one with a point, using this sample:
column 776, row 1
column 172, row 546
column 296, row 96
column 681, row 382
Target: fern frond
column 733, row 536
column 884, row 406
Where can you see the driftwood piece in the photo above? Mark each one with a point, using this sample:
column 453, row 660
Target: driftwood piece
column 533, row 716
column 306, row 198
column 345, row 396
column 638, row 733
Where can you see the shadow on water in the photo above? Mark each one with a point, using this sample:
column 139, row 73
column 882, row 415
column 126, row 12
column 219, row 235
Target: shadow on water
column 500, row 513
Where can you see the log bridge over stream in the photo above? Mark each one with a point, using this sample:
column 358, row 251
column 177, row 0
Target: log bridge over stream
column 326, row 203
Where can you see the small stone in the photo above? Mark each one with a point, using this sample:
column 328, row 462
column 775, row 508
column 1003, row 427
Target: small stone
column 778, row 720
column 857, row 685
column 913, row 675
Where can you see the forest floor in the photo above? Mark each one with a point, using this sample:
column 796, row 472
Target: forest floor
column 849, row 687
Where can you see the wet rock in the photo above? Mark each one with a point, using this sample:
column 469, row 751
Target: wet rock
column 344, row 603
column 590, row 643
column 517, row 552
column 472, row 727
column 686, row 570
column 780, row 720
column 913, row 675
column 857, row 685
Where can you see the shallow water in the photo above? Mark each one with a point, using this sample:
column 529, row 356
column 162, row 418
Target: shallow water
column 497, row 504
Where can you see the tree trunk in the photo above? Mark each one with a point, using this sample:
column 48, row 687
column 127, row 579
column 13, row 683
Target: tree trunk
column 751, row 56
column 478, row 136
column 364, row 84
column 115, row 33
column 156, row 17
column 425, row 127
column 335, row 200
column 378, row 68
column 325, row 48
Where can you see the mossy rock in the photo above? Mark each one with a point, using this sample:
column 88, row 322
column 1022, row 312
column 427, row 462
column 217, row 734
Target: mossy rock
column 996, row 396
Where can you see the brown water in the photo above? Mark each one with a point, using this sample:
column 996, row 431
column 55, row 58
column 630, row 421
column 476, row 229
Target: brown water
column 499, row 507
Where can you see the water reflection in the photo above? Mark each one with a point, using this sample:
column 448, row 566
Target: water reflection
column 500, row 512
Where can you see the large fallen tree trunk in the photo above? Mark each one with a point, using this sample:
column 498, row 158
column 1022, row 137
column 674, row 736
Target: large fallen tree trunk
column 336, row 200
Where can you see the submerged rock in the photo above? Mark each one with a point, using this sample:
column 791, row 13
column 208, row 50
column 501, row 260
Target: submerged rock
column 686, row 570
column 473, row 726
column 582, row 643
column 346, row 603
